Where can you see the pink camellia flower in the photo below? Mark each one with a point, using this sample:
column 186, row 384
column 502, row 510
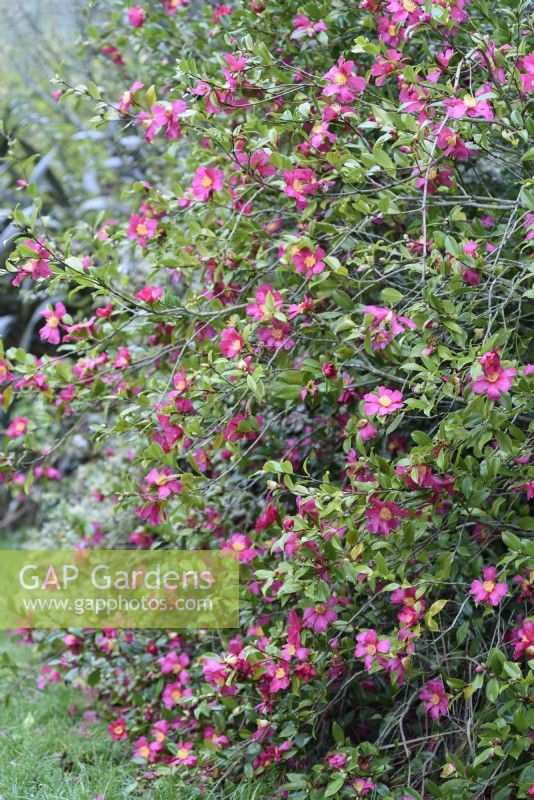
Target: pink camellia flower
column 233, row 72
column 305, row 672
column 136, row 16
column 451, row 144
column 329, row 370
column 381, row 338
column 206, row 181
column 369, row 647
column 304, row 307
column 160, row 730
column 118, row 729
column 232, row 432
column 470, row 248
column 343, row 84
column 319, row 616
column 413, row 607
column 433, row 178
column 151, row 511
column 488, row 590
column 184, row 755
column 150, row 294
column 527, row 77
column 366, row 430
column 141, row 228
column 382, row 67
column 523, row 640
column 173, row 693
column 148, row 751
column 261, row 309
column 321, row 137
column 242, row 545
column 495, row 379
column 17, row 427
column 337, row 760
column 80, row 330
column 36, row 267
column 163, row 116
column 256, row 162
column 469, row 106
column 174, row 664
column 385, row 402
column 293, row 648
column 164, row 481
column 405, row 11
column 435, row 698
column 215, row 673
column 386, row 316
column 267, row 518
column 181, row 382
column 363, row 786
column 300, row 183
column 169, row 434
column 231, row 343
column 276, row 336
column 50, row 331
column 383, row 518
column 126, row 98
column 309, row 261
column 279, row 674
column 122, row 359
column 302, row 23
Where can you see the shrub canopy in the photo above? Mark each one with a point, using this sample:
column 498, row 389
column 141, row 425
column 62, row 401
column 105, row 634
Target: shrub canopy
column 299, row 329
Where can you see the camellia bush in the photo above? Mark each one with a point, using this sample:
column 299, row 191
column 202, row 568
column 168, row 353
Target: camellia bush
column 303, row 335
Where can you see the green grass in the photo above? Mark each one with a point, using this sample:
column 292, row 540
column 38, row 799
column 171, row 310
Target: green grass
column 48, row 754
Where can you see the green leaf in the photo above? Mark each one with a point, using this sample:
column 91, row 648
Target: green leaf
column 382, row 159
column 525, row 523
column 391, row 296
column 433, row 611
column 337, row 733
column 513, row 670
column 334, row 786
column 492, row 689
column 511, row 541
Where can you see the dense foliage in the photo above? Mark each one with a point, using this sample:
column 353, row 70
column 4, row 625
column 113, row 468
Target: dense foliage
column 303, row 334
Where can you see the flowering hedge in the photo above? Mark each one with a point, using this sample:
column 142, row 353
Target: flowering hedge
column 307, row 341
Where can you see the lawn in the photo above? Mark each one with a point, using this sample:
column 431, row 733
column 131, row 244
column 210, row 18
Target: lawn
column 47, row 751
column 50, row 751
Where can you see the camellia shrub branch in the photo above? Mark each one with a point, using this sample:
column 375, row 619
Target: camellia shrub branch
column 308, row 341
